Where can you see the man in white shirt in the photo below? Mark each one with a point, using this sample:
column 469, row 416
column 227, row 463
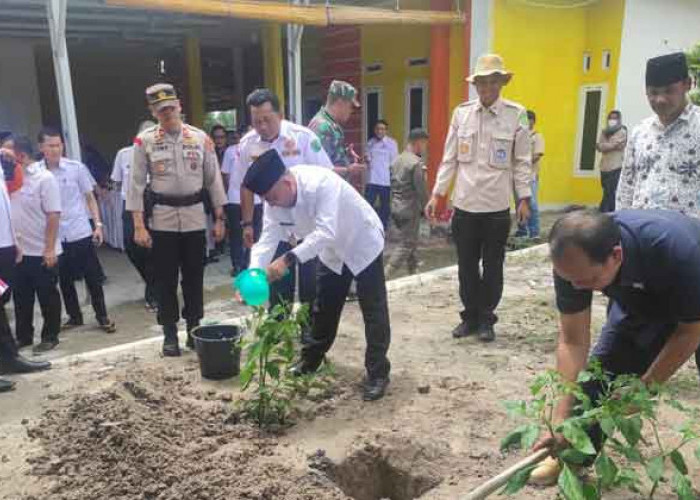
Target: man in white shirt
column 381, row 153
column 36, row 211
column 340, row 228
column 10, row 360
column 79, row 258
column 139, row 256
column 296, row 145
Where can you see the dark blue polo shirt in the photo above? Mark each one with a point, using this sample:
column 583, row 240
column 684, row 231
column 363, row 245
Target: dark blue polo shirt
column 659, row 279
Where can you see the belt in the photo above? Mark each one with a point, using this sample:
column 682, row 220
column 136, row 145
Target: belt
column 178, row 201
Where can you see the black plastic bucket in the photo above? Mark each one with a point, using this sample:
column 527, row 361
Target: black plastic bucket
column 217, row 350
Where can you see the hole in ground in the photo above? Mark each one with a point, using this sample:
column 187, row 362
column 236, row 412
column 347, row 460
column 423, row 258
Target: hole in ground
column 371, row 473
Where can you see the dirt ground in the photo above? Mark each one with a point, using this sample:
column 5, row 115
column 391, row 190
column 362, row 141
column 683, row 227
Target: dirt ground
column 135, row 426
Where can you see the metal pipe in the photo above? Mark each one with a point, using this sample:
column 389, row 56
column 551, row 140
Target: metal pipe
column 315, row 15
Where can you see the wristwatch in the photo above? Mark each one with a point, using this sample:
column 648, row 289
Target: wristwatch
column 246, row 224
column 290, row 259
column 98, row 224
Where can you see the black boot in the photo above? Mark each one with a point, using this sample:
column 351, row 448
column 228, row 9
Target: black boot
column 375, row 388
column 191, row 325
column 6, row 385
column 304, row 367
column 171, row 345
column 20, row 364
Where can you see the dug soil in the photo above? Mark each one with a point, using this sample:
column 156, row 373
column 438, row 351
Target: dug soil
column 142, row 427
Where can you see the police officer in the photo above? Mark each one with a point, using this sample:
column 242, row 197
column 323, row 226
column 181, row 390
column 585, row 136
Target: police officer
column 340, row 228
column 181, row 162
column 10, row 360
column 296, row 145
column 487, row 151
column 648, row 263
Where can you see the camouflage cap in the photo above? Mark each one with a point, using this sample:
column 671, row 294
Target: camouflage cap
column 161, row 95
column 343, row 90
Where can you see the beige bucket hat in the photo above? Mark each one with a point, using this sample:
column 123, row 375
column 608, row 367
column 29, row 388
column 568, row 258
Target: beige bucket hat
column 489, row 64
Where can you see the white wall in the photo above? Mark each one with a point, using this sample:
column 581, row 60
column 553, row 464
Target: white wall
column 20, row 109
column 651, row 28
column 482, row 30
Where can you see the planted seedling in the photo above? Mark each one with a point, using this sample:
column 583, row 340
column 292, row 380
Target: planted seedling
column 625, row 409
column 270, row 353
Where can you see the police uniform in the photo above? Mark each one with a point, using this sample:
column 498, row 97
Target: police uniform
column 339, row 227
column 487, row 151
column 296, row 145
column 181, row 168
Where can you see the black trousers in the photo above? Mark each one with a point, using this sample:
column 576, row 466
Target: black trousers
column 33, row 278
column 8, row 347
column 626, row 346
column 240, row 256
column 480, row 238
column 79, row 260
column 609, row 181
column 140, row 257
column 175, row 254
column 330, row 300
column 282, row 291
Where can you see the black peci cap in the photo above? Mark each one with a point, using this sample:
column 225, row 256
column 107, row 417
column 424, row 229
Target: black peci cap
column 666, row 70
column 264, row 172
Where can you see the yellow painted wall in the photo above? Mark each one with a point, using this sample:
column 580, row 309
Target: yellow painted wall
column 544, row 48
column 393, row 46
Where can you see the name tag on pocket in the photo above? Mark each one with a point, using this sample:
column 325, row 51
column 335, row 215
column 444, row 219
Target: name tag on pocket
column 500, row 156
column 465, row 147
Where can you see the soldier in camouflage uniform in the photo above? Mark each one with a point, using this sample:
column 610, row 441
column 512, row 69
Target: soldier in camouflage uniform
column 328, row 125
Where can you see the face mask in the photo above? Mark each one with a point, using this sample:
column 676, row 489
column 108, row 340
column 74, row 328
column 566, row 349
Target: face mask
column 612, row 123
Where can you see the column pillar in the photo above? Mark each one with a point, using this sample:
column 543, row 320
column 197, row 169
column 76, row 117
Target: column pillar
column 193, row 63
column 273, row 60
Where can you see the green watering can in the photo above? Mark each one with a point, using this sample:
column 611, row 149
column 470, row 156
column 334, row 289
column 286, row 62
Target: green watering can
column 253, row 286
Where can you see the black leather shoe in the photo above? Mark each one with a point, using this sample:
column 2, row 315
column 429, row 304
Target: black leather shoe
column 6, row 385
column 375, row 389
column 171, row 344
column 486, row 333
column 45, row 346
column 21, row 364
column 464, row 329
column 107, row 325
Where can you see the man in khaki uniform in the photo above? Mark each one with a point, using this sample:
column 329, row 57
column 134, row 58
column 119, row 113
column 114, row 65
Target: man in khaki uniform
column 487, row 151
column 182, row 164
column 408, row 197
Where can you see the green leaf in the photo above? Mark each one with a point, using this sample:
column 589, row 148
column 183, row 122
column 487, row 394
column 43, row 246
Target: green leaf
column 529, row 436
column 678, row 462
column 247, row 374
column 570, row 485
column 628, row 478
column 578, row 438
column 572, row 456
column 590, row 492
column 517, row 481
column 608, row 426
column 631, row 428
column 683, row 487
column 513, row 439
column 273, row 370
column 606, row 470
column 655, row 468
column 584, row 376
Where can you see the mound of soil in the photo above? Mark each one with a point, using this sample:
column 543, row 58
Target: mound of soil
column 154, row 436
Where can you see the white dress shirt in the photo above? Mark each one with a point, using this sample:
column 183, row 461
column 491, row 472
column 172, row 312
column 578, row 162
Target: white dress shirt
column 232, row 166
column 74, row 181
column 297, row 145
column 381, row 153
column 122, row 165
column 333, row 219
column 38, row 196
column 7, row 234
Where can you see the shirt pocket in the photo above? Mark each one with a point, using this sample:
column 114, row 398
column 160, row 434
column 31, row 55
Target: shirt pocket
column 501, row 150
column 193, row 159
column 466, row 145
column 161, row 163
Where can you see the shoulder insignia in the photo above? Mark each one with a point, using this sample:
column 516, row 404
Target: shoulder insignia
column 138, row 141
column 315, row 145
